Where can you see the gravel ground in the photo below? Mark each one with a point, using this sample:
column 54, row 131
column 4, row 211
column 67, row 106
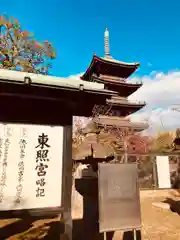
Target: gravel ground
column 157, row 224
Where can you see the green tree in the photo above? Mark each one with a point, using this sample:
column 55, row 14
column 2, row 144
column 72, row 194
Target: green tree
column 20, row 51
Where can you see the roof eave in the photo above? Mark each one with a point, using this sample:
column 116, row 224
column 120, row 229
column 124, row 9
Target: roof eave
column 118, row 63
column 136, row 128
column 96, row 58
column 83, row 77
column 138, row 106
column 120, row 83
column 38, row 80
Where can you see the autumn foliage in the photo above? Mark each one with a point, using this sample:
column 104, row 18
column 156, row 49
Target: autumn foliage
column 163, row 142
column 123, row 140
column 20, row 51
column 138, row 144
column 119, row 140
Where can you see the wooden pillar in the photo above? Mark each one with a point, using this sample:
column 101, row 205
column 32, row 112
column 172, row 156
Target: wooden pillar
column 67, row 183
column 155, row 177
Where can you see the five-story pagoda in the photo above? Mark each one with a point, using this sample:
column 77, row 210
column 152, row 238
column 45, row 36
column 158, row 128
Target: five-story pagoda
column 113, row 74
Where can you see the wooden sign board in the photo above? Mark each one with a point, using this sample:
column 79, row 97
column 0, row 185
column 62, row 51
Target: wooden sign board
column 31, row 162
column 119, row 200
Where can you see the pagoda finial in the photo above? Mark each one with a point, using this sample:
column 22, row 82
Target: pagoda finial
column 106, row 43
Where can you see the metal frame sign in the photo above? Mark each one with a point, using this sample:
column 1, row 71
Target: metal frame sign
column 119, row 200
column 31, row 161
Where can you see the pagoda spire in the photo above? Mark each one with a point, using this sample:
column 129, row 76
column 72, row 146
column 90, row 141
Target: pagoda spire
column 106, row 43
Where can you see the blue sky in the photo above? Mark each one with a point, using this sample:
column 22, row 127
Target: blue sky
column 145, row 31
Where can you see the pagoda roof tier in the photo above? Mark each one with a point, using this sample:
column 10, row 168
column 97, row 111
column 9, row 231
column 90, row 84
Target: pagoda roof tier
column 118, row 84
column 120, row 106
column 109, row 66
column 120, row 122
column 121, row 101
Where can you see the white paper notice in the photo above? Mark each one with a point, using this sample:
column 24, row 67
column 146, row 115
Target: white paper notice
column 163, row 171
column 30, row 166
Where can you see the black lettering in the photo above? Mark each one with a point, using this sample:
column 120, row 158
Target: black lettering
column 41, row 182
column 42, row 155
column 42, row 140
column 41, row 169
column 40, row 192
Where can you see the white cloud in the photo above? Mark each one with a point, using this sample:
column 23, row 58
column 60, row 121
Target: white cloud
column 76, row 76
column 160, row 91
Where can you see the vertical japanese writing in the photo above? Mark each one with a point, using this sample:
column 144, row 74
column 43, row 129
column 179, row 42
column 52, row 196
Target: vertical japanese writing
column 5, row 163
column 42, row 160
column 1, row 147
column 19, row 187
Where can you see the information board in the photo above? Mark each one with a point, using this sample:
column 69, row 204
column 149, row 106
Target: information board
column 30, row 166
column 119, row 201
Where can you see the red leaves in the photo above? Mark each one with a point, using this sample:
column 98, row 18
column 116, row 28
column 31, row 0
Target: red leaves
column 36, row 45
column 138, row 144
column 25, row 34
